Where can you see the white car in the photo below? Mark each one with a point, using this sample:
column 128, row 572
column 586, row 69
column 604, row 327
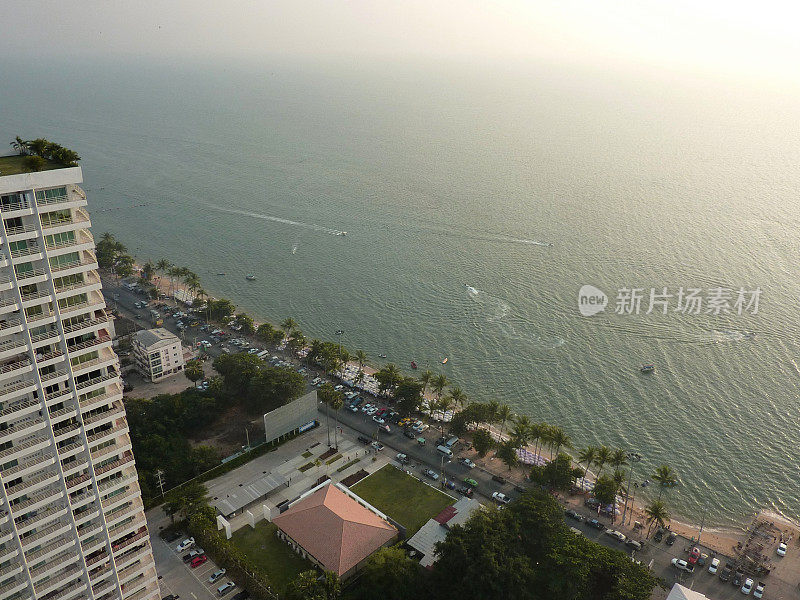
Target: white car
column 402, row 459
column 747, row 587
column 378, row 420
column 185, row 544
column 712, row 568
column 781, row 549
column 682, row 565
column 467, row 463
column 759, row 591
column 500, row 497
column 618, row 535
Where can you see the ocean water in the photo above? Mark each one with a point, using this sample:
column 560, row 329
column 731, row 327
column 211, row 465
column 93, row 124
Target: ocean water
column 477, row 201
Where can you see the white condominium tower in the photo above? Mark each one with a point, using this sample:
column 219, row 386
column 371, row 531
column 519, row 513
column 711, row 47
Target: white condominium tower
column 72, row 523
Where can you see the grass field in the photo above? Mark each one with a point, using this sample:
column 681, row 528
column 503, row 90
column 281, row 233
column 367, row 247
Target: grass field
column 270, row 553
column 12, row 165
column 404, row 498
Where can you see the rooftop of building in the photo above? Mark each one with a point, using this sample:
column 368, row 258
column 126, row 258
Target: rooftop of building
column 335, row 529
column 155, row 338
column 436, row 529
column 14, row 165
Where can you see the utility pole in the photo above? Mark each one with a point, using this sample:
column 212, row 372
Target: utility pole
column 247, row 434
column 702, row 522
column 160, row 480
column 634, row 458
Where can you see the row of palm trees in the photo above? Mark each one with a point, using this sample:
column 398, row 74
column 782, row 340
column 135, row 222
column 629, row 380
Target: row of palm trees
column 46, row 150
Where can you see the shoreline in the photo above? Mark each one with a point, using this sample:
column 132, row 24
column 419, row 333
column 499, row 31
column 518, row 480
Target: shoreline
column 720, row 538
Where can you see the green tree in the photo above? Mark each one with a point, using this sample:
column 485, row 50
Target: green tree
column 329, row 396
column 33, row 163
column 507, row 452
column 147, row 272
column 558, row 474
column 237, row 370
column 560, row 439
column 657, row 515
column 438, row 385
column 185, row 500
column 603, row 457
column 308, row 585
column 666, row 477
column 288, row 324
column 388, row 378
column 245, row 321
column 482, row 441
column 390, row 575
column 408, row 395
column 504, row 415
column 194, row 370
column 587, row 456
column 605, row 489
column 523, row 431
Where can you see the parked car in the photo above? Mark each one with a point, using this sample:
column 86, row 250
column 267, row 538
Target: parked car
column 712, row 568
column 402, row 459
column 465, row 490
column 377, row 446
column 738, row 576
column 573, row 515
column 409, row 433
column 364, row 439
column 498, row 478
column 185, row 544
column 467, row 463
column 225, row 588
column 596, row 524
column 694, row 555
column 759, row 591
column 682, row 565
column 198, row 560
column 216, row 575
column 671, row 539
column 431, row 474
column 636, row 545
column 726, row 572
column 192, row 554
column 781, row 549
column 471, row 482
column 748, row 586
column 618, row 535
column 500, row 498
column 378, row 420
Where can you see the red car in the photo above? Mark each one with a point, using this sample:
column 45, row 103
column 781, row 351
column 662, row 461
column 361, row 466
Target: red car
column 694, row 555
column 199, row 560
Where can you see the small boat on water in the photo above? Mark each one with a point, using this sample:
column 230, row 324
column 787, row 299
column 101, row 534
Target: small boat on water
column 382, row 356
column 413, row 365
column 250, row 277
column 220, row 274
column 647, row 368
column 444, row 362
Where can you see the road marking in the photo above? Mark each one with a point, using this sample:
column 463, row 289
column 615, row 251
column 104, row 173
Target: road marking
column 192, row 595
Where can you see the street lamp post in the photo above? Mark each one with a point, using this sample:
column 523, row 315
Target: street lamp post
column 633, row 457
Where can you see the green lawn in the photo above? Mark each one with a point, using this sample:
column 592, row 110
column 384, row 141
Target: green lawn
column 270, row 553
column 12, row 165
column 404, row 498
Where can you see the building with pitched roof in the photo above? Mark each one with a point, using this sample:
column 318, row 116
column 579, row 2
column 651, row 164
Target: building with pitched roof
column 436, row 530
column 158, row 353
column 335, row 529
column 679, row 592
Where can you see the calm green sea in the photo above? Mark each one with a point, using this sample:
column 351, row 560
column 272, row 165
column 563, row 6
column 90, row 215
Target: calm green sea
column 451, row 183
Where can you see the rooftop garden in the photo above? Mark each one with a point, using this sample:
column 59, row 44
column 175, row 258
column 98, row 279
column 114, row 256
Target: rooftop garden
column 37, row 155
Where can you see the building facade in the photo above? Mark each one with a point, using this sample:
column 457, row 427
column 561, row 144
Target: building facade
column 72, row 523
column 158, row 353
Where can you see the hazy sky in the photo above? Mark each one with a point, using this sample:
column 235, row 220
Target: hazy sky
column 742, row 38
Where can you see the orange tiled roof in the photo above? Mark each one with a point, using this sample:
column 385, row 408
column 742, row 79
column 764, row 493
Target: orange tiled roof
column 335, row 529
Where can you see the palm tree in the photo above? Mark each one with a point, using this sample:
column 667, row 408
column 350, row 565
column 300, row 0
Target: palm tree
column 588, row 456
column 425, row 379
column 523, row 431
column 458, row 397
column 440, row 382
column 173, row 272
column 163, row 265
column 559, row 439
column 666, row 477
column 504, row 415
column 603, row 457
column 288, row 324
column 657, row 514
column 537, row 431
column 619, row 458
column 361, row 358
column 547, row 437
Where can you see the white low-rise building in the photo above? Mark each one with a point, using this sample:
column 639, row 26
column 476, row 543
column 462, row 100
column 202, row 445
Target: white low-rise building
column 158, row 353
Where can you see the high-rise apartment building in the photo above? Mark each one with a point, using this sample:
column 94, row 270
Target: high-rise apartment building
column 72, row 523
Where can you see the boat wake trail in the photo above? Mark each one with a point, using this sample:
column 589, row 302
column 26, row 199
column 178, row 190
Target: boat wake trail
column 531, row 242
column 495, row 311
column 310, row 226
